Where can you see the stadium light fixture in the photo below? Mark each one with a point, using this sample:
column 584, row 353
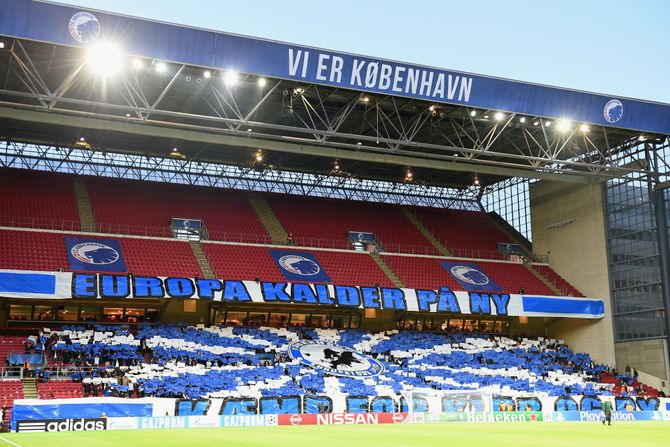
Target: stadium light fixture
column 563, row 125
column 475, row 181
column 137, row 64
column 473, row 113
column 536, row 123
column 231, row 78
column 547, row 123
column 522, row 119
column 409, row 175
column 486, row 117
column 206, row 74
column 366, row 99
column 259, row 155
column 161, row 67
column 104, row 58
column 262, row 82
column 584, row 128
column 336, row 165
column 499, row 116
column 2, row 45
column 641, row 138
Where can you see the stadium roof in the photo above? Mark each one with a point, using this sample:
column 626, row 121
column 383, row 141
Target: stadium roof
column 221, row 97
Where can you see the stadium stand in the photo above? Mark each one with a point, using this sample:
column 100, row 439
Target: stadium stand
column 37, row 200
column 32, row 250
column 241, row 262
column 10, row 345
column 249, row 262
column 35, row 250
column 10, row 390
column 426, row 273
column 199, row 362
column 556, row 279
column 226, row 214
column 311, row 219
column 465, row 233
column 60, row 389
column 229, row 216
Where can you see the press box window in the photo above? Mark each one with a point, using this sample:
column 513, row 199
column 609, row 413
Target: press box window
column 20, row 312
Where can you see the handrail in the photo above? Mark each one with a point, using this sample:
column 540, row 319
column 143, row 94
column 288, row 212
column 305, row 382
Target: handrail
column 245, row 238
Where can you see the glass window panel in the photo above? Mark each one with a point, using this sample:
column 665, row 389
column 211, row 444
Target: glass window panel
column 20, row 311
column 236, row 318
column 67, row 313
column 90, row 313
column 113, row 314
column 43, row 313
column 258, row 319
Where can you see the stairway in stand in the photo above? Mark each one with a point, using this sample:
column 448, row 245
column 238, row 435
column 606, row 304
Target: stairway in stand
column 86, row 217
column 203, row 262
column 29, row 388
column 269, row 219
column 426, row 232
column 544, row 279
column 387, row 270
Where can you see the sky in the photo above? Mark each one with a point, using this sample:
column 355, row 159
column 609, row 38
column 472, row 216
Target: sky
column 616, row 47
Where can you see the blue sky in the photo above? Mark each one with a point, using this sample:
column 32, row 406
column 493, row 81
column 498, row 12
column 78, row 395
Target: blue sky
column 617, row 47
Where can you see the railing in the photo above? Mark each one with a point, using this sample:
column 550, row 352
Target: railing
column 48, row 224
column 65, row 371
column 10, row 372
column 243, row 238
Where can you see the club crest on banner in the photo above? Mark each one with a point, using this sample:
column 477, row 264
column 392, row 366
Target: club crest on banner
column 613, row 111
column 84, row 27
column 94, row 253
column 470, row 276
column 335, row 360
column 299, row 266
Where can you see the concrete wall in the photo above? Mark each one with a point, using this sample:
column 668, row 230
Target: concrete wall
column 649, row 356
column 174, row 312
column 568, row 223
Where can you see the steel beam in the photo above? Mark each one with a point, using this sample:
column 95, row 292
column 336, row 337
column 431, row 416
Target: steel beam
column 297, row 146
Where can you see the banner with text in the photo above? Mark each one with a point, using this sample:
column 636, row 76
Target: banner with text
column 67, row 285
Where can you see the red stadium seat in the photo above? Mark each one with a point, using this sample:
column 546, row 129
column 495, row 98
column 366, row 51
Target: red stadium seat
column 226, row 214
column 37, row 200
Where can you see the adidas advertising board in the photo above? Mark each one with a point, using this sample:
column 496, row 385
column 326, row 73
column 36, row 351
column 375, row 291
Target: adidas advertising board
column 54, row 425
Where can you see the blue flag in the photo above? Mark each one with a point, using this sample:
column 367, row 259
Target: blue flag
column 470, row 276
column 95, row 255
column 299, row 266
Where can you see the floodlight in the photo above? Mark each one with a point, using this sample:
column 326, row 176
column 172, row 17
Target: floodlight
column 104, row 58
column 231, row 77
column 563, row 125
